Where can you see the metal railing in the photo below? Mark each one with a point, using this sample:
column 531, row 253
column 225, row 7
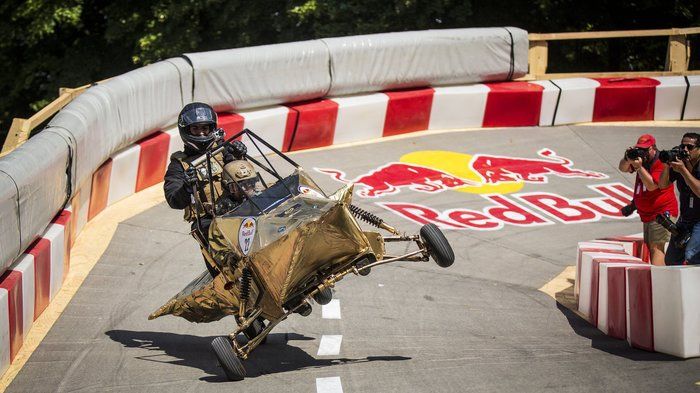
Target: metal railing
column 677, row 58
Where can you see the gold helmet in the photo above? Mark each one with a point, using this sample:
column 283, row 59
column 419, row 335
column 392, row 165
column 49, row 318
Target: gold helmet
column 243, row 173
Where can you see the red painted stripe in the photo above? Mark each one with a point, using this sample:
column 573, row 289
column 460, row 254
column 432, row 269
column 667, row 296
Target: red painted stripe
column 577, row 283
column 100, row 189
column 315, row 125
column 12, row 282
column 513, row 104
column 231, row 123
column 408, row 111
column 289, row 128
column 41, row 250
column 153, row 158
column 641, row 315
column 595, row 284
column 617, row 303
column 622, row 99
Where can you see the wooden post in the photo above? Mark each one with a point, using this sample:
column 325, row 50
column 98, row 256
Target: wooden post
column 537, row 58
column 677, row 53
column 19, row 133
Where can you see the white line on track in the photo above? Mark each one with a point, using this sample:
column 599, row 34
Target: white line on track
column 329, row 385
column 330, row 345
column 331, row 310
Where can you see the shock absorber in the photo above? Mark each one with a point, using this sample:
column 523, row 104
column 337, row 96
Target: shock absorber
column 246, row 278
column 370, row 218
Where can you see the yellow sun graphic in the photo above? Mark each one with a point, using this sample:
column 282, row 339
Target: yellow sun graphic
column 457, row 164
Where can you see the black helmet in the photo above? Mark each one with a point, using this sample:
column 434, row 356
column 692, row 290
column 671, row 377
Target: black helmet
column 197, row 113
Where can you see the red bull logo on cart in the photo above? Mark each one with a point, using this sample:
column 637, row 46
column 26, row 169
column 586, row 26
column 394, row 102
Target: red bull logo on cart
column 492, row 177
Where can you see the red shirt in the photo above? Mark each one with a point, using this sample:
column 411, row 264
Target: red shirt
column 651, row 203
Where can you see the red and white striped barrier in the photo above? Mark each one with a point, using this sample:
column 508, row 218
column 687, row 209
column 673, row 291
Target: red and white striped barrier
column 592, row 247
column 323, row 122
column 652, row 307
column 27, row 288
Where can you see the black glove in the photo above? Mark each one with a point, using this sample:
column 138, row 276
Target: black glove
column 190, row 178
column 237, row 149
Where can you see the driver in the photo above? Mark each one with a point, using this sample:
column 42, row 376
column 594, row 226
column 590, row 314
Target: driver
column 197, row 125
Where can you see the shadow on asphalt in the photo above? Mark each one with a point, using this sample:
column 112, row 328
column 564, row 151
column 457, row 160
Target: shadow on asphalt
column 276, row 356
column 566, row 303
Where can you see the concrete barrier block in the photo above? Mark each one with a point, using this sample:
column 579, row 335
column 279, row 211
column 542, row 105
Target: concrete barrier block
column 360, row 117
column 408, row 111
column 640, row 325
column 458, row 107
column 592, row 247
column 625, row 99
column 612, row 297
column 576, row 100
column 513, row 104
column 586, row 278
column 123, row 174
column 676, row 316
column 670, row 94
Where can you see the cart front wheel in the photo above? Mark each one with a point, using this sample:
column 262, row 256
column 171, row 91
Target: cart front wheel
column 227, row 358
column 438, row 246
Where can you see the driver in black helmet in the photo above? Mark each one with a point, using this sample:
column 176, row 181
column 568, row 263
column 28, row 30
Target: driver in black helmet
column 197, row 125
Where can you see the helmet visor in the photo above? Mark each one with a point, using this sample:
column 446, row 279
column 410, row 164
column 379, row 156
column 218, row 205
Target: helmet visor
column 251, row 187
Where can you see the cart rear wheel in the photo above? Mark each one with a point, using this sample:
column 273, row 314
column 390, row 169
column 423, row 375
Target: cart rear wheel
column 438, row 246
column 324, row 297
column 227, row 358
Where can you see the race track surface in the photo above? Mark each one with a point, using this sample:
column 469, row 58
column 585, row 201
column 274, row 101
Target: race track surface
column 480, row 325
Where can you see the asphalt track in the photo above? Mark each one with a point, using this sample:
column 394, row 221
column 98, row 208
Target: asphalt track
column 481, row 325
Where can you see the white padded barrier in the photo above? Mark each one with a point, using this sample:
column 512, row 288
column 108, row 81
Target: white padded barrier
column 676, row 301
column 441, row 57
column 242, row 78
column 10, row 242
column 576, row 100
column 458, row 107
column 692, row 105
column 360, row 117
column 670, row 94
column 38, row 168
column 176, row 143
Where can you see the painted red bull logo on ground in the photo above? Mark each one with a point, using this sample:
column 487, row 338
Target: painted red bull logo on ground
column 461, row 172
column 390, row 178
column 497, row 169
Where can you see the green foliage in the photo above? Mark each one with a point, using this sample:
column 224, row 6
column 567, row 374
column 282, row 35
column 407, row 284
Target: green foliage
column 47, row 44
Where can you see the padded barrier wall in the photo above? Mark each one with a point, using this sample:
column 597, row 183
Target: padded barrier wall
column 103, row 123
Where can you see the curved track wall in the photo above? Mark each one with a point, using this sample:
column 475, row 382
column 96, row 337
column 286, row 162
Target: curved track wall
column 114, row 140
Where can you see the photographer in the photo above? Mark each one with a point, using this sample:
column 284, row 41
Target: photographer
column 682, row 167
column 650, row 198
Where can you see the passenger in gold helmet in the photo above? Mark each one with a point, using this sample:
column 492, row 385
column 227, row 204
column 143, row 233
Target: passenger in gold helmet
column 240, row 177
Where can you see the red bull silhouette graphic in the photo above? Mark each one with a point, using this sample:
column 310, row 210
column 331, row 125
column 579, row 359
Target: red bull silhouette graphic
column 498, row 169
column 389, row 179
column 490, row 169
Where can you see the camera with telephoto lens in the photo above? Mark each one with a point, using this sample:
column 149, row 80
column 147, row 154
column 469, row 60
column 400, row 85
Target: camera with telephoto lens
column 677, row 153
column 635, row 152
column 629, row 209
column 681, row 236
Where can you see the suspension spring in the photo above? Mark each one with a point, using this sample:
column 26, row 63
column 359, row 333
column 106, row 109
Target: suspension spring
column 366, row 216
column 246, row 278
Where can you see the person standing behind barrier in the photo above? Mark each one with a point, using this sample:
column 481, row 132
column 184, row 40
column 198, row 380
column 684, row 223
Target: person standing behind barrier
column 650, row 198
column 686, row 174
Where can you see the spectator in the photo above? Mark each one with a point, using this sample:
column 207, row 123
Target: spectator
column 649, row 197
column 685, row 173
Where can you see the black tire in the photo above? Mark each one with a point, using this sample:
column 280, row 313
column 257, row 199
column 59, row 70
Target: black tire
column 438, row 246
column 362, row 263
column 304, row 310
column 227, row 359
column 324, row 297
column 255, row 329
